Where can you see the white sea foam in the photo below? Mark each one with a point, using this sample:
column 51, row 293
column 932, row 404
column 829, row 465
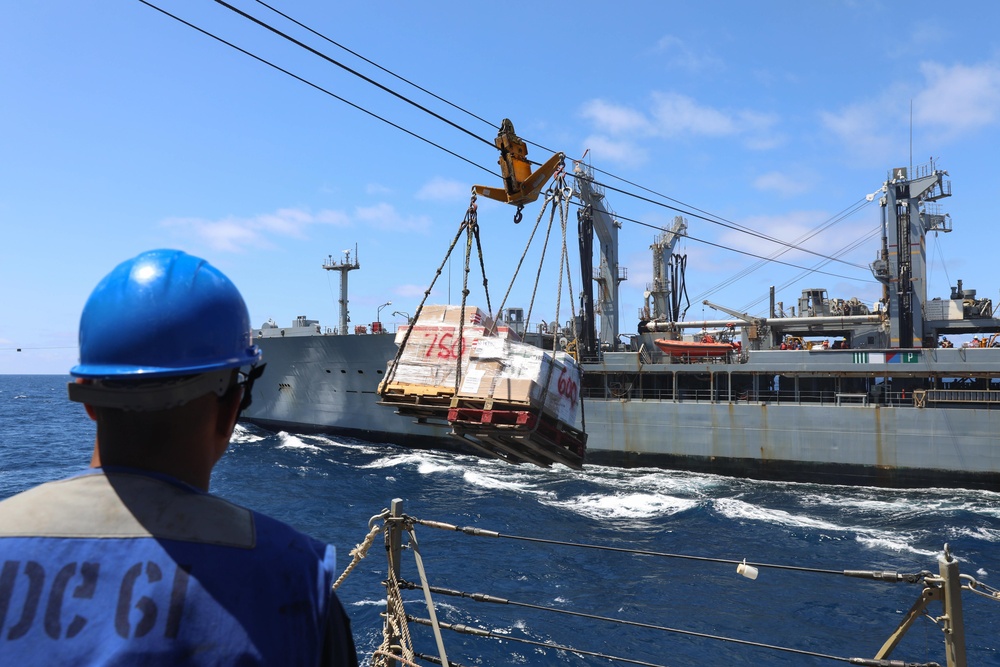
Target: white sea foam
column 510, row 482
column 242, row 435
column 289, row 441
column 733, row 508
column 873, row 538
column 979, row 533
column 426, row 463
column 625, row 505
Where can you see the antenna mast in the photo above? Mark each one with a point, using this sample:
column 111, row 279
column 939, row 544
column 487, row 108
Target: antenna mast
column 344, row 267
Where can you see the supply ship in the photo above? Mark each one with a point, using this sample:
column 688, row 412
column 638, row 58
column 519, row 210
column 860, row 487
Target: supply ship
column 763, row 397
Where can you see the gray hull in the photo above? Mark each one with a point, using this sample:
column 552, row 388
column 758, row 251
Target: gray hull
column 326, row 383
column 329, row 384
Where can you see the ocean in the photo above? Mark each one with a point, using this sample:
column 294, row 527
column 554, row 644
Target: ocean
column 330, row 487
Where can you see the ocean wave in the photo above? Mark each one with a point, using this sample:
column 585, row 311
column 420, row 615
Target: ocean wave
column 242, row 435
column 885, row 541
column 892, row 539
column 655, row 480
column 425, row 462
column 289, row 441
column 978, row 533
column 508, row 482
column 625, row 505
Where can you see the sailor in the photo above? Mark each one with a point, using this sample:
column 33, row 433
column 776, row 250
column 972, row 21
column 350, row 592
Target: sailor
column 133, row 561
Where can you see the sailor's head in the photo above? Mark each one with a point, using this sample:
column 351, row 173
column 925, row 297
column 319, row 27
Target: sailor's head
column 160, row 330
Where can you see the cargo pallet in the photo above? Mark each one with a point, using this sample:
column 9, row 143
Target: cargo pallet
column 519, row 435
column 418, row 400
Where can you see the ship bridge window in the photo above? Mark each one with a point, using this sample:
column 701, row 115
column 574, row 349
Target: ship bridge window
column 342, row 370
column 328, row 370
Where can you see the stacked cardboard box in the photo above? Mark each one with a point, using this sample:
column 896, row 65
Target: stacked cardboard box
column 508, row 371
column 429, row 362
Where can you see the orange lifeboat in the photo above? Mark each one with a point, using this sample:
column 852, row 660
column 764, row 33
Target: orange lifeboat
column 706, row 347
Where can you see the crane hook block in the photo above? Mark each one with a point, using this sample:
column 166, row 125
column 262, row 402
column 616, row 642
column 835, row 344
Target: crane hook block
column 521, row 185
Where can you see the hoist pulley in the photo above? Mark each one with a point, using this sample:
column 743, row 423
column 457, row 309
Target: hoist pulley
column 521, row 185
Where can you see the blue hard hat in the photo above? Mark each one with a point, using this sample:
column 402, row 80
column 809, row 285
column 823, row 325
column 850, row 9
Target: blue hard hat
column 164, row 313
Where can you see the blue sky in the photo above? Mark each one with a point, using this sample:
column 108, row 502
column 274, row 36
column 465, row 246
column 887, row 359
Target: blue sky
column 123, row 130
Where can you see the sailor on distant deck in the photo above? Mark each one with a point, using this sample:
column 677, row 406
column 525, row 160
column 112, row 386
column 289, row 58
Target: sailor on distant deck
column 134, row 562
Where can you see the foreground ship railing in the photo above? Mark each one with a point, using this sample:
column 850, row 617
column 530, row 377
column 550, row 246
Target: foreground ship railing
column 398, row 646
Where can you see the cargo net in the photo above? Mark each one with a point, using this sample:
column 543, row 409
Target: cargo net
column 501, row 397
column 406, row 641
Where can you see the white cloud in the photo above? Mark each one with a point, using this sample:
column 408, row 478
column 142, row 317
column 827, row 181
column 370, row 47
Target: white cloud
column 614, row 118
column 409, row 290
column 953, row 101
column 958, row 99
column 377, row 189
column 384, row 216
column 619, row 130
column 860, row 128
column 677, row 114
column 681, row 56
column 624, row 153
column 442, row 189
column 233, row 234
column 783, row 184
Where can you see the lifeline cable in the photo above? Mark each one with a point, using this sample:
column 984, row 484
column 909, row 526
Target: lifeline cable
column 481, row 597
column 860, row 574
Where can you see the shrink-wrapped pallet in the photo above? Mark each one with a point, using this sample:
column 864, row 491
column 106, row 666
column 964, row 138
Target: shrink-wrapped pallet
column 429, row 362
column 508, row 371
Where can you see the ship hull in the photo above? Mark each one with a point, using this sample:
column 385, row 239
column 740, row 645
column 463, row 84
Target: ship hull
column 855, row 445
column 329, row 384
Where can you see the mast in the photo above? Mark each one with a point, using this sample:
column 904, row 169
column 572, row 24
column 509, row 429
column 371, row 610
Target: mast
column 609, row 274
column 344, row 267
column 668, row 287
column 907, row 217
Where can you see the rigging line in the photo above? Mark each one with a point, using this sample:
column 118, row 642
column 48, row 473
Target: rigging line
column 352, row 71
column 764, row 237
column 417, row 136
column 741, row 252
column 750, row 254
column 483, row 597
column 660, row 194
column 317, row 87
column 839, row 217
column 456, row 106
column 409, row 132
column 375, row 64
column 853, row 246
column 944, row 265
column 790, row 282
column 850, row 248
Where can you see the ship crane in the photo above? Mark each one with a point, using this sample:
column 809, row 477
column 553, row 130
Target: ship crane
column 755, row 325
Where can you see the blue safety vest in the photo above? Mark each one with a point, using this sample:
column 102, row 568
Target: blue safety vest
column 120, row 566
